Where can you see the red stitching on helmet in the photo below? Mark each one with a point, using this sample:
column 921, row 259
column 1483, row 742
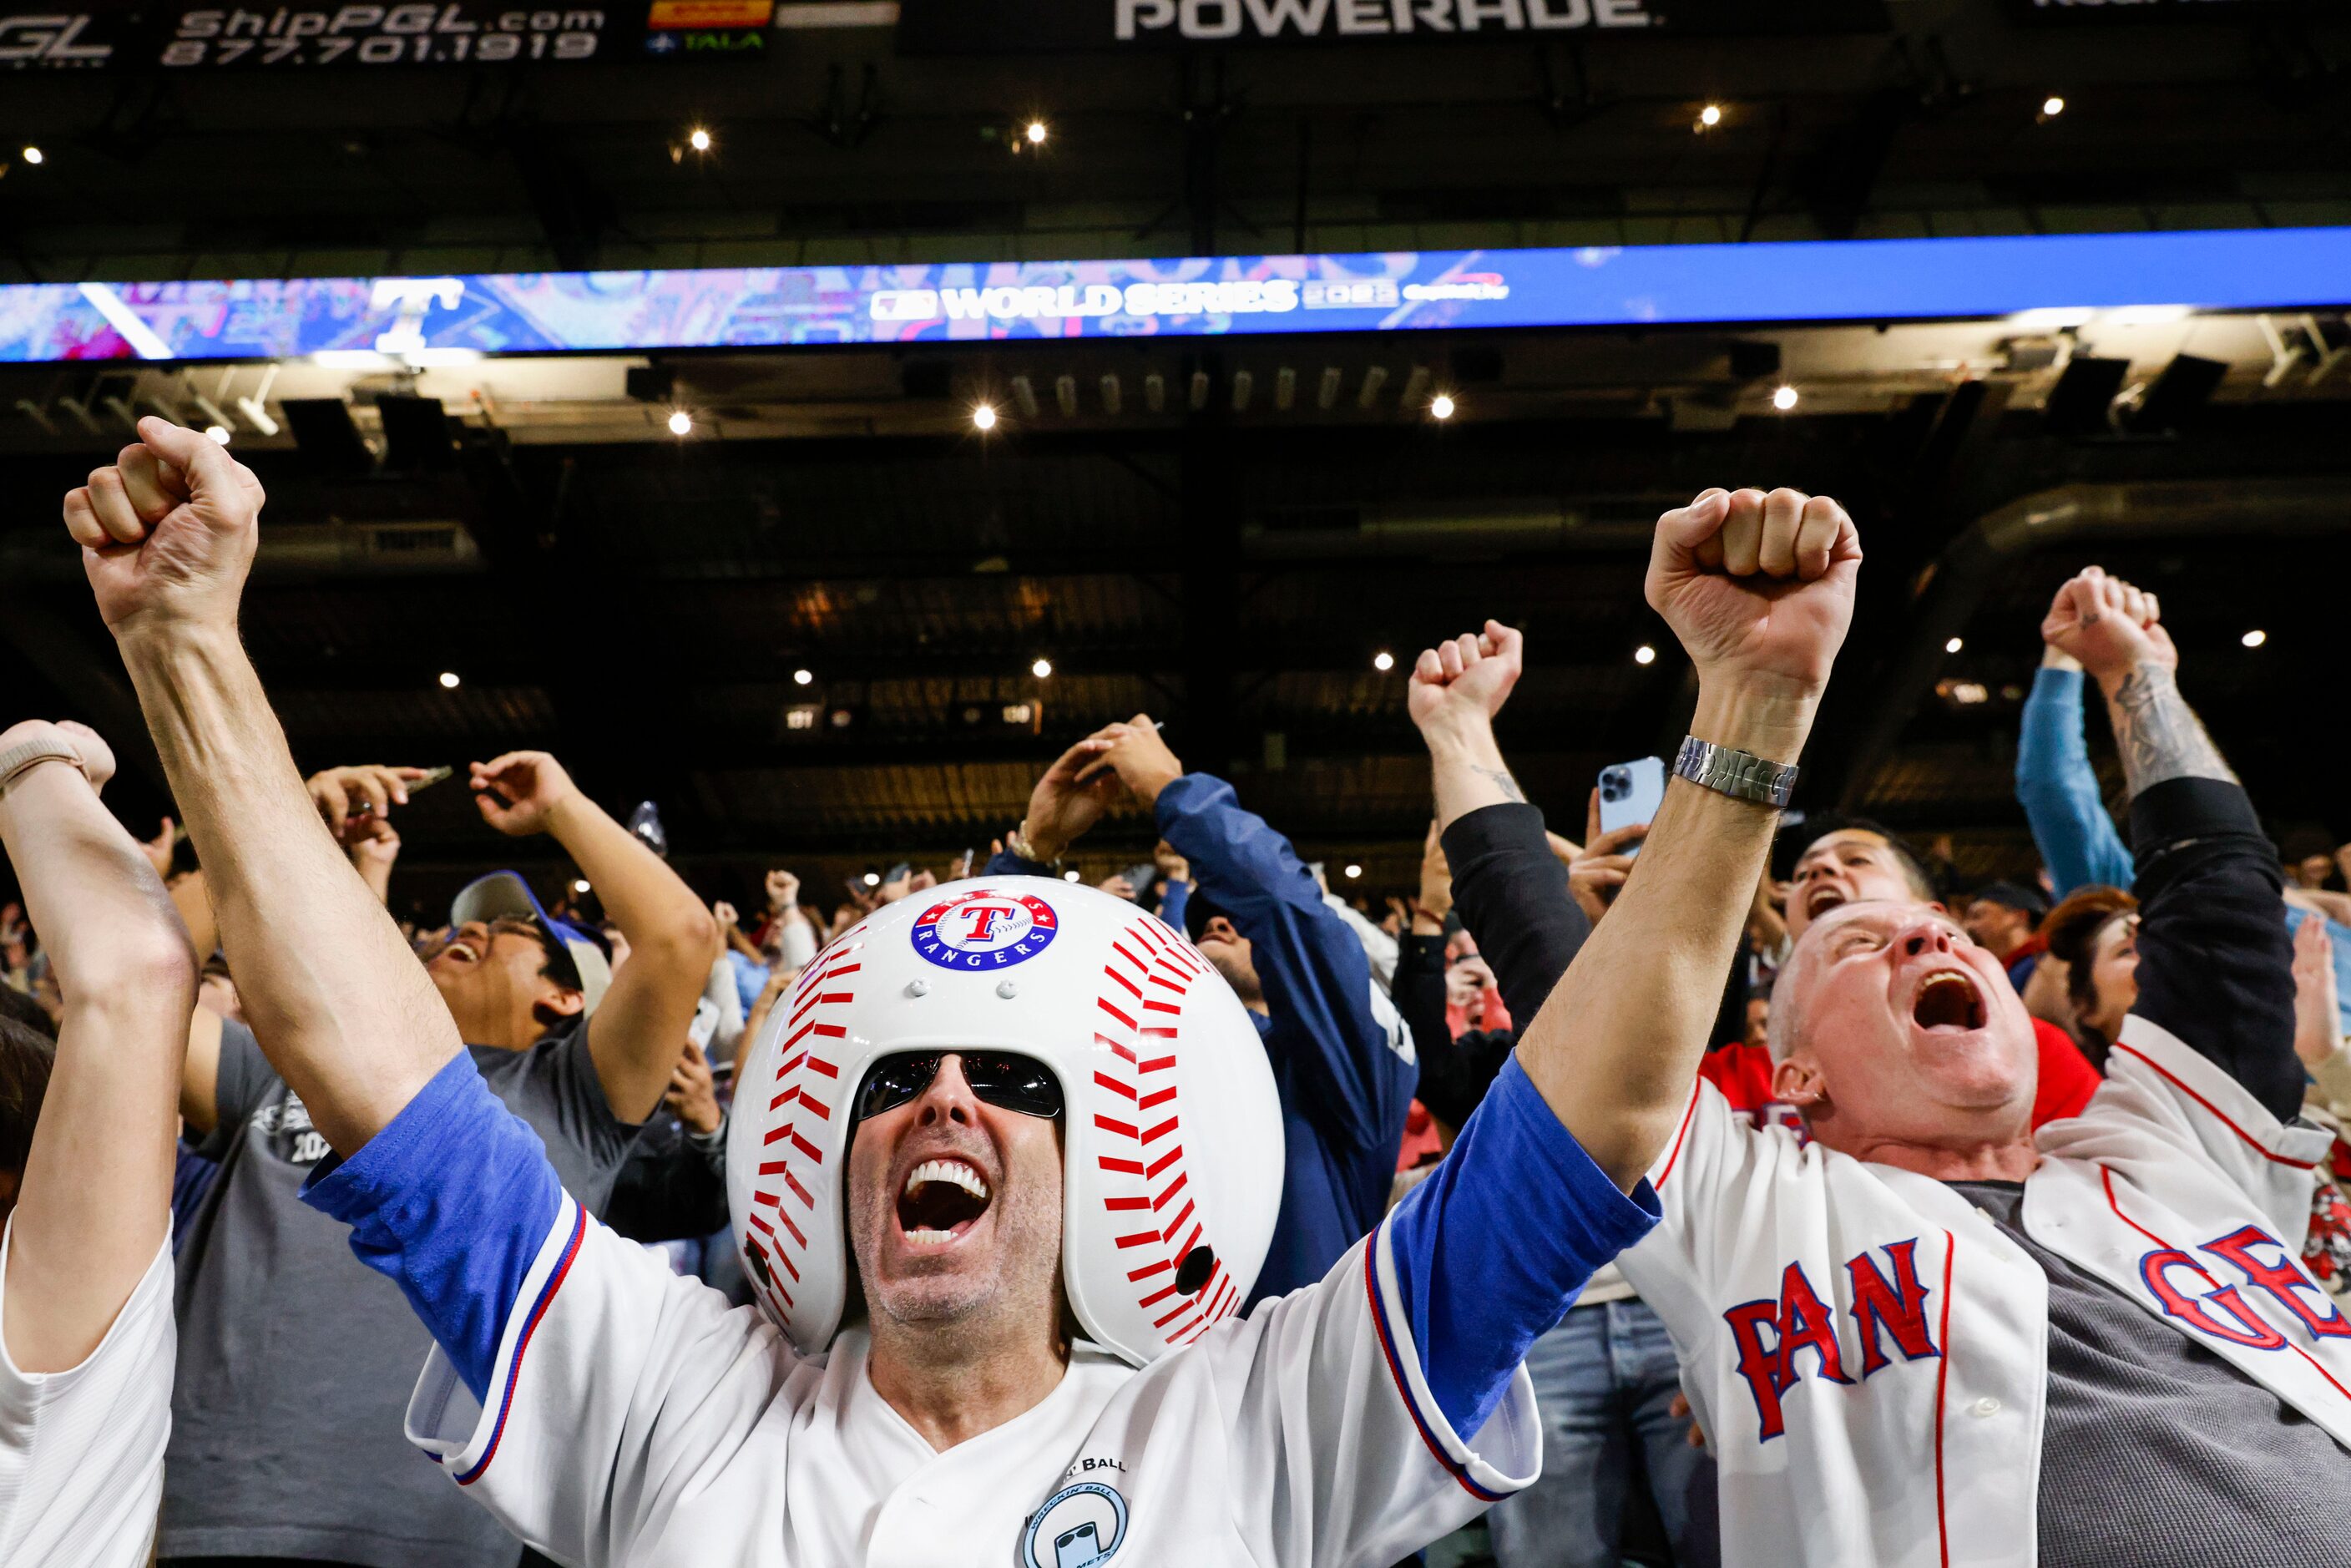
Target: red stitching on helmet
column 1172, row 1188
column 1115, row 1204
column 1104, row 1003
column 1124, row 1055
column 1176, row 1311
column 799, row 1191
column 786, row 1098
column 1155, row 1006
column 1156, row 1063
column 772, row 1168
column 1164, row 1161
column 1123, row 1168
column 778, row 1134
column 1139, row 1238
column 1130, row 957
column 1177, row 1223
column 815, row 1154
column 1157, row 1296
column 787, row 1066
column 1107, row 1126
column 823, row 1111
column 1142, row 1274
column 786, row 1221
column 1153, row 1134
column 1157, row 1097
column 818, row 1064
column 1171, row 985
column 1113, row 1085
column 1111, row 974
column 769, row 1198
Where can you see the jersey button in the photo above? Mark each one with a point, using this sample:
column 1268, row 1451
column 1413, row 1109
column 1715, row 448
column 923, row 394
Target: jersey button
column 1987, row 1406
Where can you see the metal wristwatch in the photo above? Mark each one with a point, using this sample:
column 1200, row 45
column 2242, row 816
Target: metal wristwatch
column 18, row 758
column 1741, row 775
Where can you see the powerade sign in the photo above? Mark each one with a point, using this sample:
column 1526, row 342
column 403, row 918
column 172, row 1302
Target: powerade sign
column 384, row 322
column 1010, row 27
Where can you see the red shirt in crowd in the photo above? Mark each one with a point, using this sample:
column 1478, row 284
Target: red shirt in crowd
column 1743, row 1074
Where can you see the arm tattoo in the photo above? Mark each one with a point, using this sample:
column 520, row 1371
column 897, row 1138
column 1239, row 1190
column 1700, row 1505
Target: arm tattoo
column 2158, row 733
column 1501, row 779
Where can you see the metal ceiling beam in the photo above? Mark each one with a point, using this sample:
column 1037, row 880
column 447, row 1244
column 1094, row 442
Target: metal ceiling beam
column 2067, row 516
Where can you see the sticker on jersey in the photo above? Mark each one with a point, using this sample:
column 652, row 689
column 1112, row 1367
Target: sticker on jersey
column 984, row 930
column 1078, row 1527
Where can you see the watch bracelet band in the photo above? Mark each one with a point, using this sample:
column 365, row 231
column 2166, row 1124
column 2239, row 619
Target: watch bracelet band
column 1017, row 843
column 1741, row 775
column 17, row 759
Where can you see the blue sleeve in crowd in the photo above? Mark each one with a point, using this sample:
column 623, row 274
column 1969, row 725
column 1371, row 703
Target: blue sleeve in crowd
column 1318, row 983
column 452, row 1200
column 1493, row 1248
column 1172, row 899
column 1004, row 863
column 2059, row 790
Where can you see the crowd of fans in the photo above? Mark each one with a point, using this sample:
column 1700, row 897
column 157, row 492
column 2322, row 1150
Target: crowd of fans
column 613, row 1029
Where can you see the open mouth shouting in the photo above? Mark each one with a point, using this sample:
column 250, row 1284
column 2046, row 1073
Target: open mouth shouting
column 1821, row 898
column 941, row 1201
column 1948, row 1001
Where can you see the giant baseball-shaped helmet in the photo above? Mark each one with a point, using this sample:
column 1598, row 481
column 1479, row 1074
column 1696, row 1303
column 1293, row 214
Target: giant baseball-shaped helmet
column 1172, row 1143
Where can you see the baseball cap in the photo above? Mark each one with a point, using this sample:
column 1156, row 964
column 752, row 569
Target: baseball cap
column 578, row 959
column 2014, row 895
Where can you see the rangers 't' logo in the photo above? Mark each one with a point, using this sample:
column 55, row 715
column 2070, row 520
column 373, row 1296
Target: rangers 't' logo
column 985, row 930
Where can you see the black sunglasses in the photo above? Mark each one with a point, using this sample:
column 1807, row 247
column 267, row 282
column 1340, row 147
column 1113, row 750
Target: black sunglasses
column 1008, row 1082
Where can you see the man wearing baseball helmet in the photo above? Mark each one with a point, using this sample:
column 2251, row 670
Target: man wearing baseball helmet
column 1039, row 1124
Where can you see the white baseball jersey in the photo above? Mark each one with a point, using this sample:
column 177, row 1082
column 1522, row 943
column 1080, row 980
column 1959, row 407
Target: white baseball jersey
column 636, row 1419
column 81, row 1451
column 1866, row 1350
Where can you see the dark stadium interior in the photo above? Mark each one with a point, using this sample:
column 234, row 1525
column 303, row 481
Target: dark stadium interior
column 1234, row 560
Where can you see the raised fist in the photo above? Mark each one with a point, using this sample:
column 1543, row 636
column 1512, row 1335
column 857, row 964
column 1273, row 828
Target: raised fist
column 168, row 532
column 2109, row 627
column 1469, row 676
column 1758, row 588
column 517, row 791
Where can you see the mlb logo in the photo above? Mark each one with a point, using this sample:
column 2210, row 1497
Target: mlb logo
column 985, row 930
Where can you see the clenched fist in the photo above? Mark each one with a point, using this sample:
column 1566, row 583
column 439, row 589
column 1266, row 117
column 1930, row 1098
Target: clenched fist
column 1759, row 589
column 2107, row 626
column 167, row 532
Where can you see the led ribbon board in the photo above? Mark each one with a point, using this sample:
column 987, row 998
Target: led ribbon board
column 451, row 318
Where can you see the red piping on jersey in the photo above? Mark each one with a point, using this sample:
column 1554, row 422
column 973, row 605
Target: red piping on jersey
column 1683, row 1132
column 1942, row 1375
column 2107, row 1178
column 514, row 1368
column 2218, row 1114
column 1459, row 1472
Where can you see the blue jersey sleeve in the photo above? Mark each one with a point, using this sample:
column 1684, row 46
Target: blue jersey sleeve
column 1318, row 982
column 2059, row 790
column 1495, row 1245
column 452, row 1200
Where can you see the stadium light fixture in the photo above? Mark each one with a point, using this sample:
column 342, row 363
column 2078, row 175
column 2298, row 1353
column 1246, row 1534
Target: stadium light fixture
column 698, row 139
column 1069, row 876
column 1041, row 668
column 2052, row 107
column 872, row 879
column 802, row 678
column 35, row 156
column 983, row 417
column 580, row 885
column 681, row 423
column 219, row 435
column 1383, row 661
column 1036, row 132
column 449, row 682
column 1954, row 645
column 1784, row 399
column 1709, row 116
column 1353, row 871
column 2255, row 638
column 1645, row 655
column 1441, row 407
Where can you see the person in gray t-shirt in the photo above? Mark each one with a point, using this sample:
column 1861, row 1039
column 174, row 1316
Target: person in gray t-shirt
column 295, row 1360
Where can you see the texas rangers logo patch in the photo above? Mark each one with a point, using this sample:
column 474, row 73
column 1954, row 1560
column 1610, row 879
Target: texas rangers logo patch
column 1078, row 1527
column 985, row 930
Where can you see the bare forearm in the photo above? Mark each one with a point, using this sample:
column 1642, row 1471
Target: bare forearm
column 2157, row 732
column 1467, row 769
column 1617, row 1045
column 335, row 997
column 95, row 1197
column 650, row 903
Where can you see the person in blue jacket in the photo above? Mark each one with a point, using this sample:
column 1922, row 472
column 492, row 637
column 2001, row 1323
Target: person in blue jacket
column 1342, row 1057
column 2067, row 811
